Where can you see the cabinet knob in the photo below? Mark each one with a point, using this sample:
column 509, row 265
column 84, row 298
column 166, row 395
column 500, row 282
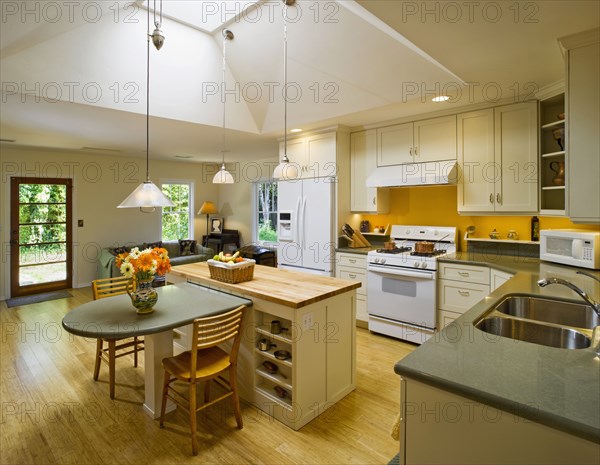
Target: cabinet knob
column 491, row 198
column 373, row 200
column 410, row 151
column 463, row 273
column 416, row 151
column 464, row 293
column 499, row 199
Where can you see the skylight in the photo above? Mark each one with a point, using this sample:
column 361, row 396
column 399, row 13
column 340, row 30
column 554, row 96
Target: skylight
column 205, row 15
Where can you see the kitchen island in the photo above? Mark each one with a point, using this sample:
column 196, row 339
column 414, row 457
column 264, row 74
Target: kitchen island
column 468, row 396
column 317, row 319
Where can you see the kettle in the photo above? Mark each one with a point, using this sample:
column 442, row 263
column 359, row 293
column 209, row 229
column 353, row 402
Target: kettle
column 365, row 226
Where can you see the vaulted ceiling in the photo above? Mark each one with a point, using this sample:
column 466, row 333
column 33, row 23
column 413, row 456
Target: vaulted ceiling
column 74, row 73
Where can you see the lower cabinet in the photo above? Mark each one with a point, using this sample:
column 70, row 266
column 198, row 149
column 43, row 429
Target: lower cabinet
column 462, row 286
column 438, row 426
column 353, row 267
column 459, row 288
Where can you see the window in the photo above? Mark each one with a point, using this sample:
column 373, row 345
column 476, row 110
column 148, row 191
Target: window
column 266, row 211
column 177, row 220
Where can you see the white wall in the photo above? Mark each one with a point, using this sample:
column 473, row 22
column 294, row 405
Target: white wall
column 100, row 183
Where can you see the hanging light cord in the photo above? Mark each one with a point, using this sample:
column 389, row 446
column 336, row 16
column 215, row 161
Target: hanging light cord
column 224, row 94
column 285, row 88
column 157, row 24
column 148, row 95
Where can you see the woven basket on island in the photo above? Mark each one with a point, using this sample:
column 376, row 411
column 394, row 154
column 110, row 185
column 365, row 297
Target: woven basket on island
column 231, row 273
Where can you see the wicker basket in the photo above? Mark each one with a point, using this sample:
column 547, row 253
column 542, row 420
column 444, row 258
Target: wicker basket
column 232, row 274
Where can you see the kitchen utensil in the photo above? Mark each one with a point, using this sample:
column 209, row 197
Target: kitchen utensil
column 272, row 368
column 280, row 391
column 264, row 344
column 282, row 354
column 389, row 245
column 424, row 247
column 356, row 236
column 558, row 167
column 276, row 327
column 362, row 239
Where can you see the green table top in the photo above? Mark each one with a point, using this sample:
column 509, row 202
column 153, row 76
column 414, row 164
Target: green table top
column 178, row 305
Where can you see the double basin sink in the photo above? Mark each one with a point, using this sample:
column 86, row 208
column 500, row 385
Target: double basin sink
column 549, row 322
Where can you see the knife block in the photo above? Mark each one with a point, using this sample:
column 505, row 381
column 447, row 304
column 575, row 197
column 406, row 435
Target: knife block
column 345, row 241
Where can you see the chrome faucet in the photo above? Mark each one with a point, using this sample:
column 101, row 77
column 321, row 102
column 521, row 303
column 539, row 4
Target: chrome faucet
column 595, row 305
column 589, row 275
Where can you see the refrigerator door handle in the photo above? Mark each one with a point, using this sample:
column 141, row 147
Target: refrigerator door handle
column 297, row 222
column 303, row 223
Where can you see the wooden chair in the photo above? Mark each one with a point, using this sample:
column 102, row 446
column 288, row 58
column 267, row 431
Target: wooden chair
column 108, row 287
column 206, row 362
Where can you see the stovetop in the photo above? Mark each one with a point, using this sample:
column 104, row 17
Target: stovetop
column 395, row 250
column 435, row 253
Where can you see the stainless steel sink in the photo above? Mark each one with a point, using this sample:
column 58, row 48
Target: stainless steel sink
column 558, row 312
column 549, row 322
column 529, row 331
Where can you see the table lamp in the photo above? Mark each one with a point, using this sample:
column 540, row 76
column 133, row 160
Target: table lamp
column 207, row 208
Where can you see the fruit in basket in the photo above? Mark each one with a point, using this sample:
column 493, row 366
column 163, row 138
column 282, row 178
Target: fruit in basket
column 228, row 258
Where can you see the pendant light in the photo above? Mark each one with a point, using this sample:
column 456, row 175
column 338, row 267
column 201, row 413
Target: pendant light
column 285, row 170
column 147, row 194
column 223, row 176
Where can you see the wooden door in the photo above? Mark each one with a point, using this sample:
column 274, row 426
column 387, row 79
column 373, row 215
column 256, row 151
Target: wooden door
column 41, row 235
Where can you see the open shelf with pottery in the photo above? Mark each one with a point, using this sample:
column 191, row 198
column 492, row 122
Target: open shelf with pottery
column 552, row 156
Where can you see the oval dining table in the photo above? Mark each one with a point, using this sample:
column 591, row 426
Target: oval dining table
column 178, row 305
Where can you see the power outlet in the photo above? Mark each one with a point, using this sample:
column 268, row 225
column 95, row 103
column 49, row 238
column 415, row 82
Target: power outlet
column 307, row 320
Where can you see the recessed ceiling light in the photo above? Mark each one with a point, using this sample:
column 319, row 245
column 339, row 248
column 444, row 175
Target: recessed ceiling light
column 296, row 130
column 441, row 98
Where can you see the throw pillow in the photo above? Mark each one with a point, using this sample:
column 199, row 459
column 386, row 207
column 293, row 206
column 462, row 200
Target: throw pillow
column 119, row 250
column 151, row 245
column 187, row 247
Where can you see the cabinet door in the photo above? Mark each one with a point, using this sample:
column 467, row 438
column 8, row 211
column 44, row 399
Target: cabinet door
column 583, row 138
column 435, row 139
column 395, row 145
column 296, row 152
column 476, row 161
column 320, row 155
column 498, row 278
column 516, row 144
column 363, row 160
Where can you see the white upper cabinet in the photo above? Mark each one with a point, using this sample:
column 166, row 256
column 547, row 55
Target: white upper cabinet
column 363, row 161
column 422, row 141
column 516, row 144
column 498, row 153
column 315, row 155
column 583, row 121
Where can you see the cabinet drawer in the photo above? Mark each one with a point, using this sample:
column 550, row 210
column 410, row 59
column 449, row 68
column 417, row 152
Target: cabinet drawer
column 464, row 273
column 460, row 296
column 354, row 274
column 445, row 318
column 352, row 259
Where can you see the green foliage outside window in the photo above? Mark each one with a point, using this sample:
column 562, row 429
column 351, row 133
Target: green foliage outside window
column 267, row 211
column 176, row 219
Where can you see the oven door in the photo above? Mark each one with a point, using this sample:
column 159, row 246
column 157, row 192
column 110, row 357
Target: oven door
column 403, row 295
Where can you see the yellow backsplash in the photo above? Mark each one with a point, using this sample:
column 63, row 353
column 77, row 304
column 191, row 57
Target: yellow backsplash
column 436, row 206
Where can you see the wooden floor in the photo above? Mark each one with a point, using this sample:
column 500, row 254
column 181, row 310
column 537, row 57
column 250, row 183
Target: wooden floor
column 52, row 411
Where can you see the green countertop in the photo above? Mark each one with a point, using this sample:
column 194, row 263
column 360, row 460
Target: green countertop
column 556, row 387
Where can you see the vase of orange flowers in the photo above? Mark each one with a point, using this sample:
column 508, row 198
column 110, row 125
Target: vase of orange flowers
column 141, row 266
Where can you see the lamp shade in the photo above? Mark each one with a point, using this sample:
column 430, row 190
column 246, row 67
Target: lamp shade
column 207, row 208
column 146, row 195
column 223, row 176
column 286, row 171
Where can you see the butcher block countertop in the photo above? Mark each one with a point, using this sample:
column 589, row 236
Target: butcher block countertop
column 289, row 288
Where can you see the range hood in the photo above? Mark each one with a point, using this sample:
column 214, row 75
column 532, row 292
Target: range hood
column 415, row 174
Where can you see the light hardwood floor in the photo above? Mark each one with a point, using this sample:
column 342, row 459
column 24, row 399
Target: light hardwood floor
column 53, row 412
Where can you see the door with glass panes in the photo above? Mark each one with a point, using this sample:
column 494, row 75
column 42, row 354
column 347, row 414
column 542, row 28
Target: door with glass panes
column 40, row 237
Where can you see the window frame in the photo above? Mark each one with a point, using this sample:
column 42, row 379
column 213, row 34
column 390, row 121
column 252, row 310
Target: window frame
column 191, row 212
column 255, row 213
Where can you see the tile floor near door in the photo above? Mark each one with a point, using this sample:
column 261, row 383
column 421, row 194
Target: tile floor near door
column 53, row 412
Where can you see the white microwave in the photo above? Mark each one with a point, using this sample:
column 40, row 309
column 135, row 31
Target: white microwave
column 571, row 247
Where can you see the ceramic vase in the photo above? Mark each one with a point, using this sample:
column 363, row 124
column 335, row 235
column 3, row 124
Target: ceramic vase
column 144, row 296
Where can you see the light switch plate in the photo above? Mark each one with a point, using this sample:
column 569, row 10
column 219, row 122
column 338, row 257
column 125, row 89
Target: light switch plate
column 307, row 320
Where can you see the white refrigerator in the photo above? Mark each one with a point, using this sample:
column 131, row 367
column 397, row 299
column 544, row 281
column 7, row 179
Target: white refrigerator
column 306, row 225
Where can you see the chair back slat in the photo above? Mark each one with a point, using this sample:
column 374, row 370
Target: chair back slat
column 108, row 287
column 213, row 330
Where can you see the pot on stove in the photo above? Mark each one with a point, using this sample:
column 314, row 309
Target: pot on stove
column 424, row 247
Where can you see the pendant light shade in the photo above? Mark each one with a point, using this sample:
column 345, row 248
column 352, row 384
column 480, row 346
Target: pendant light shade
column 148, row 195
column 223, row 176
column 285, row 170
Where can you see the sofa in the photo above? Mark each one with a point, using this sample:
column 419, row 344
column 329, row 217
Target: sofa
column 107, row 268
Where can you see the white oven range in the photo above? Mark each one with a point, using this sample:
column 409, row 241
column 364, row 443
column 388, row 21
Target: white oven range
column 401, row 284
